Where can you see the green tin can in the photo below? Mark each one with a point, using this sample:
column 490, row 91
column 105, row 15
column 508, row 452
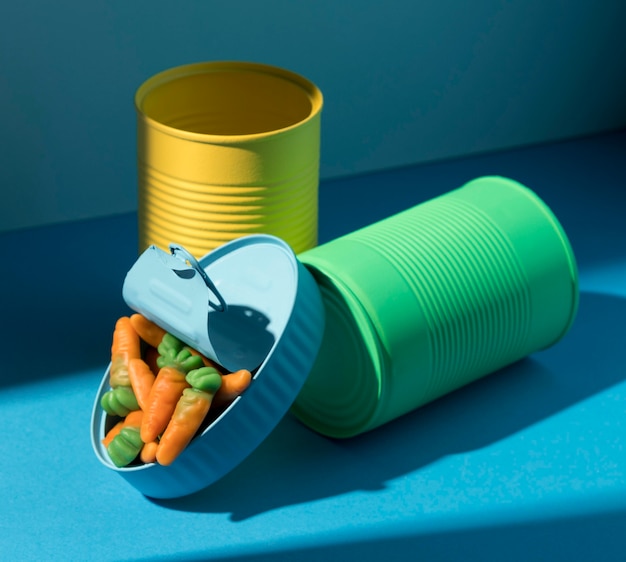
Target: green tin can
column 433, row 298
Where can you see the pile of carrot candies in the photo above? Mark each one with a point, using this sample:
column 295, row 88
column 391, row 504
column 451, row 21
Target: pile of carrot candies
column 163, row 393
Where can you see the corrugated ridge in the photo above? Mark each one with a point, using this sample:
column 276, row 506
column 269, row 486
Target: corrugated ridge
column 227, row 213
column 468, row 281
column 169, row 182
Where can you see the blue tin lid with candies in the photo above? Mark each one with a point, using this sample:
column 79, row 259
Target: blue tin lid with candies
column 249, row 304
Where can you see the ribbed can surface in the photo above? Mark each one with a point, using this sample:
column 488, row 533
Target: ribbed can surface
column 434, row 298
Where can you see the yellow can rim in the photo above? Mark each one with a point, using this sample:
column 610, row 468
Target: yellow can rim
column 313, row 92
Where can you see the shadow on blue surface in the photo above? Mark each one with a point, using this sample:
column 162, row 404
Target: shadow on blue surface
column 62, row 288
column 65, row 281
column 579, row 538
column 295, row 465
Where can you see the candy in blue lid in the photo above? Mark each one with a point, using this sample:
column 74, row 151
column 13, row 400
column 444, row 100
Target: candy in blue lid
column 248, row 304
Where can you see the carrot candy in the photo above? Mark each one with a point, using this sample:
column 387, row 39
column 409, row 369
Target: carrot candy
column 119, row 401
column 233, row 385
column 175, row 362
column 167, row 388
column 205, row 378
column 125, row 346
column 132, row 419
column 147, row 330
column 172, row 350
column 112, row 433
column 125, row 446
column 148, row 452
column 191, row 409
column 207, row 362
column 141, row 380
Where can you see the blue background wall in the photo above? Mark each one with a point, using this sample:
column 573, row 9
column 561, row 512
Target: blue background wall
column 404, row 82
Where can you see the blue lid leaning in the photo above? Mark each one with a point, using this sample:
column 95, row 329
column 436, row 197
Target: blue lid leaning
column 231, row 306
column 248, row 304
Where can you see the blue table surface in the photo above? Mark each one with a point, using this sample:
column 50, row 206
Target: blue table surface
column 528, row 463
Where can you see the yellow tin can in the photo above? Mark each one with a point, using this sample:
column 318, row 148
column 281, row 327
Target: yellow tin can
column 224, row 150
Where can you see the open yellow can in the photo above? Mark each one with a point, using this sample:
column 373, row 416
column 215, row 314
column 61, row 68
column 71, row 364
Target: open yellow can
column 224, row 150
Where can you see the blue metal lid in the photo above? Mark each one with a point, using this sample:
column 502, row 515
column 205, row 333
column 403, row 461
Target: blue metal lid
column 248, row 304
column 231, row 306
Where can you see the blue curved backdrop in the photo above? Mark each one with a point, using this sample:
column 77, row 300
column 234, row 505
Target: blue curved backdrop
column 404, row 82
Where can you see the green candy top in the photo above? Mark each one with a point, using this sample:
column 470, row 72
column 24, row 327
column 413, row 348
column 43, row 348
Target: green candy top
column 174, row 353
column 206, row 379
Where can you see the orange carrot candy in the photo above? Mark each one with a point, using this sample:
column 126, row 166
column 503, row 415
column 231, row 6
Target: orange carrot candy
column 148, row 452
column 174, row 361
column 132, row 419
column 125, row 346
column 119, row 401
column 147, row 330
column 125, row 443
column 141, row 380
column 191, row 409
column 233, row 385
column 125, row 446
column 112, row 433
